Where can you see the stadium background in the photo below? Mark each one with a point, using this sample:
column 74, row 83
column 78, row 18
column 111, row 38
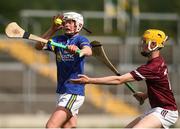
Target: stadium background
column 28, row 77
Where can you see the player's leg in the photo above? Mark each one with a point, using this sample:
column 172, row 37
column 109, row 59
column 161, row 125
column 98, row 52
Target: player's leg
column 71, row 123
column 74, row 108
column 157, row 118
column 58, row 118
column 149, row 121
column 61, row 113
column 133, row 123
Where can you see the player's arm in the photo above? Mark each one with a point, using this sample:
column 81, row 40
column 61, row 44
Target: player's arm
column 85, row 51
column 109, row 80
column 85, row 47
column 49, row 33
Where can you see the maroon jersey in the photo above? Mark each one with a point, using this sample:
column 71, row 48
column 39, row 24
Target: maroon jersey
column 155, row 73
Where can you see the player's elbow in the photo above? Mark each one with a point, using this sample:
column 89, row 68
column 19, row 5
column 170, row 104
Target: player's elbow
column 87, row 51
column 120, row 80
column 114, row 80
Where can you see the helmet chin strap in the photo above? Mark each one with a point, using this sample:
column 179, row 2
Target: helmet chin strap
column 149, row 47
column 149, row 53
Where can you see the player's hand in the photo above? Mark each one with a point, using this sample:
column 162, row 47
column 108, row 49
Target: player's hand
column 82, row 79
column 72, row 49
column 55, row 26
column 140, row 96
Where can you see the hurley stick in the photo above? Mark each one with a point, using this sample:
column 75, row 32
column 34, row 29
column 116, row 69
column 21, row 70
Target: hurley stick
column 13, row 30
column 99, row 53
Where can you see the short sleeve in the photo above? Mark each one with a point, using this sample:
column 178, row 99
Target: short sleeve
column 84, row 42
column 144, row 73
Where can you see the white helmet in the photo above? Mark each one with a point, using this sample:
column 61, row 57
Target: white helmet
column 78, row 18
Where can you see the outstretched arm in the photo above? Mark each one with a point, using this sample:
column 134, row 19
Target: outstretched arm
column 109, row 80
column 49, row 33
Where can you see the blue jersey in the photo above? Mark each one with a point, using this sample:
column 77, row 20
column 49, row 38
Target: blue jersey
column 69, row 65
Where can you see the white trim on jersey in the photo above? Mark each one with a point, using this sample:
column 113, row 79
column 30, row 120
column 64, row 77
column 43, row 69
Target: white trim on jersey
column 141, row 76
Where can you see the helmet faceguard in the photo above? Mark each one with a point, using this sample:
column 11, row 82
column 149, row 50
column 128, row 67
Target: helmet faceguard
column 152, row 40
column 78, row 18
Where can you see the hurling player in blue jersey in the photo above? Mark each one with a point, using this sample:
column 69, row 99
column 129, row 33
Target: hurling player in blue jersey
column 70, row 96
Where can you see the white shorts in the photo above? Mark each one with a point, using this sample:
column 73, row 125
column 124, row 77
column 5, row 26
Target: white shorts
column 167, row 117
column 71, row 102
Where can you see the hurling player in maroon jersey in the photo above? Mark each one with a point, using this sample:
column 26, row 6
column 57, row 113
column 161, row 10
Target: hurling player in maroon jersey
column 163, row 112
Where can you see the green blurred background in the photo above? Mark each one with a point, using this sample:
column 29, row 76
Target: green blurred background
column 10, row 11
